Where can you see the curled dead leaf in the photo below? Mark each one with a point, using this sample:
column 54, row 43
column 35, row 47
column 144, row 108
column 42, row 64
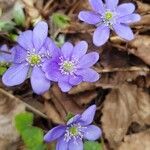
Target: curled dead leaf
column 52, row 113
column 143, row 7
column 82, row 87
column 63, row 102
column 144, row 21
column 85, row 98
column 33, row 13
column 139, row 141
column 140, row 48
column 9, row 107
column 122, row 106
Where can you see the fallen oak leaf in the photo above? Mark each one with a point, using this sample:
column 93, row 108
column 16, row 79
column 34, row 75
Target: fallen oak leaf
column 67, row 102
column 140, row 48
column 143, row 7
column 33, row 13
column 82, row 99
column 124, row 105
column 139, row 141
column 84, row 86
column 52, row 113
column 143, row 22
column 9, row 108
column 110, row 78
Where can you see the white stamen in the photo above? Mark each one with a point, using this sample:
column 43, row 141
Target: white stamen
column 68, row 67
column 78, row 134
column 109, row 18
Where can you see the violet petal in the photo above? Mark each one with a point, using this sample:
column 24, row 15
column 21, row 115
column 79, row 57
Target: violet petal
column 40, row 32
column 125, row 9
column 92, row 133
column 89, row 17
column 101, row 35
column 80, row 49
column 15, row 75
column 25, row 40
column 55, row 133
column 38, row 81
column 124, row 31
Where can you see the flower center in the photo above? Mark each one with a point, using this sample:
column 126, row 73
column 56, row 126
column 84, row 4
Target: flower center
column 108, row 15
column 75, row 131
column 34, row 59
column 109, row 18
column 67, row 67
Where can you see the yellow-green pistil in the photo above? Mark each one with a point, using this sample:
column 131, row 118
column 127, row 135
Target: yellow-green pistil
column 34, row 59
column 108, row 15
column 68, row 66
column 73, row 130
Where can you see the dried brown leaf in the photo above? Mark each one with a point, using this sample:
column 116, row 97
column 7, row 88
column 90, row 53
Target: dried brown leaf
column 144, row 21
column 148, row 81
column 143, row 7
column 122, row 106
column 139, row 141
column 9, row 107
column 84, row 98
column 140, row 48
column 112, row 80
column 63, row 102
column 82, row 87
column 52, row 113
column 32, row 11
column 6, row 4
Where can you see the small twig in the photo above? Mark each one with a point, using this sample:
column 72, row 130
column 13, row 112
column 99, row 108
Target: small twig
column 118, row 46
column 73, row 8
column 122, row 69
column 47, row 5
column 34, row 110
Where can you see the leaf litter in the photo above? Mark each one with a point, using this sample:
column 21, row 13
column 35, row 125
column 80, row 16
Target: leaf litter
column 122, row 94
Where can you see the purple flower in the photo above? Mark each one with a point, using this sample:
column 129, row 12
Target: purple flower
column 5, row 54
column 72, row 66
column 110, row 16
column 70, row 136
column 33, row 48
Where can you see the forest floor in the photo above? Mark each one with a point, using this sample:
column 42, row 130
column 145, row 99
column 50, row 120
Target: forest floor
column 122, row 94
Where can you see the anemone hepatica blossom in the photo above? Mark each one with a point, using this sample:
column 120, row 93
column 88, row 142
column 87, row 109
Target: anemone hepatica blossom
column 110, row 16
column 78, row 128
column 33, row 48
column 72, row 66
column 5, row 54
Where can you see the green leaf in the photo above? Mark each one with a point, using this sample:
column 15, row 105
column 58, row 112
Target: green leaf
column 69, row 116
column 6, row 25
column 13, row 37
column 23, row 121
column 33, row 138
column 40, row 147
column 60, row 20
column 2, row 70
column 92, row 145
column 18, row 14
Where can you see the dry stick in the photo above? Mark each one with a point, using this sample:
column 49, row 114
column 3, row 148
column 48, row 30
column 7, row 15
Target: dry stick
column 26, row 105
column 47, row 5
column 122, row 69
column 73, row 8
